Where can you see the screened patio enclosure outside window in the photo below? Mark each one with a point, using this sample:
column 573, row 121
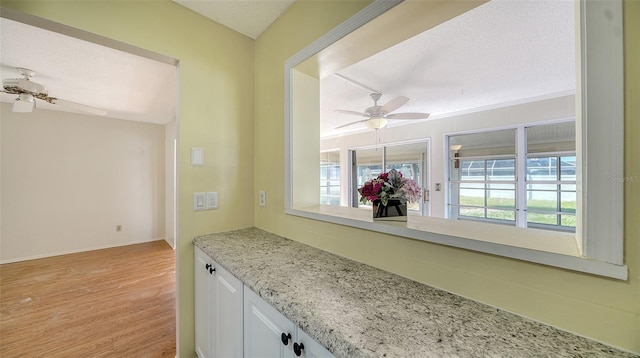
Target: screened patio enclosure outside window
column 492, row 178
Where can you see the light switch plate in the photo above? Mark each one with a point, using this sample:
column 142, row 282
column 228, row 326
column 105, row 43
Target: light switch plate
column 197, row 157
column 212, row 200
column 199, row 201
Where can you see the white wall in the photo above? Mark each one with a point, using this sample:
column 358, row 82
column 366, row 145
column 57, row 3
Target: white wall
column 67, row 181
column 436, row 130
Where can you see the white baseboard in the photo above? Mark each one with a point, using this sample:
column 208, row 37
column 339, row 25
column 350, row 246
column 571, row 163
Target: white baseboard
column 66, row 252
column 171, row 241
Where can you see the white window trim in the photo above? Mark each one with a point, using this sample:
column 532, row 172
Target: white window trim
column 601, row 124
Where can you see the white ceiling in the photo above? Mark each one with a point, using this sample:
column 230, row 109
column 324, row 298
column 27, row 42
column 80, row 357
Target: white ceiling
column 128, row 86
column 505, row 52
column 498, row 54
column 248, row 17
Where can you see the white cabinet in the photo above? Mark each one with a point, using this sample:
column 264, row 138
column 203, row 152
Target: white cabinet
column 203, row 296
column 227, row 314
column 264, row 328
column 268, row 333
column 312, row 349
column 233, row 321
column 218, row 309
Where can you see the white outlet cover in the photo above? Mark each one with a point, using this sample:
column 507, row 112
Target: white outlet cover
column 263, row 198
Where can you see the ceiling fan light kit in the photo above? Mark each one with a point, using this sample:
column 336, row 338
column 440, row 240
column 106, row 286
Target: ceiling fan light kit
column 376, row 123
column 378, row 116
column 28, row 91
column 24, row 103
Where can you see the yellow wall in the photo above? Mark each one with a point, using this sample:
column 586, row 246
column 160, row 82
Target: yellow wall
column 217, row 69
column 216, row 112
column 603, row 309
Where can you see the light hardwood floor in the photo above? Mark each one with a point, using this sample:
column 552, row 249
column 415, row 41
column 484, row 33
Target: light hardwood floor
column 117, row 302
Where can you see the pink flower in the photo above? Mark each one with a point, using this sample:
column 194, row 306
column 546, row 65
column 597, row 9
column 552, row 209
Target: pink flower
column 370, row 190
column 388, row 186
column 410, row 190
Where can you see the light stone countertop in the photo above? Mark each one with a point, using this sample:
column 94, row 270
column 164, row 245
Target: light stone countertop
column 356, row 310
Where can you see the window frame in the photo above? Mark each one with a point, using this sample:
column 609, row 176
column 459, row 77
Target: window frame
column 329, row 178
column 600, row 228
column 454, row 210
column 558, row 183
column 423, row 180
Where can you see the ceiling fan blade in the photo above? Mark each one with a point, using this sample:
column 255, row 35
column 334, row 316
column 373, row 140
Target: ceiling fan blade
column 352, row 123
column 394, row 104
column 351, row 112
column 78, row 106
column 407, row 116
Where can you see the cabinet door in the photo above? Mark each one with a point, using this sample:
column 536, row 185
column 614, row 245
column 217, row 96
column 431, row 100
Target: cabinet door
column 312, row 349
column 263, row 329
column 227, row 314
column 202, row 304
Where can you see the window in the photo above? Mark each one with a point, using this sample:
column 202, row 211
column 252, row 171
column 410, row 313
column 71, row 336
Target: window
column 482, row 176
column 486, row 182
column 487, row 189
column 551, row 191
column 410, row 159
column 330, row 178
column 551, row 172
column 368, row 165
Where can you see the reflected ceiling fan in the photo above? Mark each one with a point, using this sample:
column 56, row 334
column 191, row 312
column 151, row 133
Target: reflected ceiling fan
column 28, row 91
column 378, row 116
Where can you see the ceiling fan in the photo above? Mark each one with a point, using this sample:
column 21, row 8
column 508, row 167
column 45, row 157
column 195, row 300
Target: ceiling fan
column 28, row 91
column 378, row 116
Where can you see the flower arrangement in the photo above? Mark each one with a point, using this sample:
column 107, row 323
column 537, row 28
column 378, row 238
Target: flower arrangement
column 390, row 185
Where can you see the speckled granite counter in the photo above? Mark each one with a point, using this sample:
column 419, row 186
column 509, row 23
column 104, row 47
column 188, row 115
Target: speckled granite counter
column 356, row 310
